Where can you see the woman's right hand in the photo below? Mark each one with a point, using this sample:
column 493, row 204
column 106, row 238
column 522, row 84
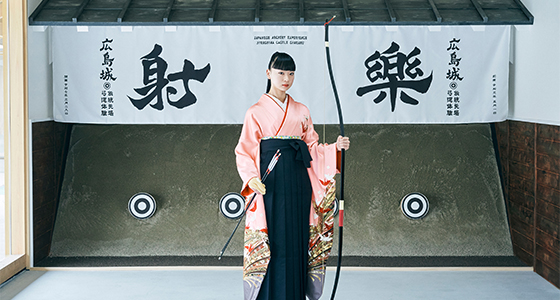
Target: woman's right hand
column 257, row 185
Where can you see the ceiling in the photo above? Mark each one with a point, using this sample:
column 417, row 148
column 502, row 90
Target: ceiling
column 274, row 12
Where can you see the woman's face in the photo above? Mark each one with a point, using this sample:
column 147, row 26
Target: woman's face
column 280, row 79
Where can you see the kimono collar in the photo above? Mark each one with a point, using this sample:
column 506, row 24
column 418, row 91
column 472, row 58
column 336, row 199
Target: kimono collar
column 280, row 103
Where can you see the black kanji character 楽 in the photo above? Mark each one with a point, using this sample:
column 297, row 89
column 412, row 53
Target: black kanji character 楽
column 393, row 67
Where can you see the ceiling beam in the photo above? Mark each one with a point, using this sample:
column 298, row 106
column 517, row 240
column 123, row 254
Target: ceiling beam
column 346, row 11
column 391, row 11
column 435, row 10
column 258, row 11
column 78, row 13
column 168, row 11
column 51, row 12
column 301, row 12
column 123, row 11
column 37, row 10
column 525, row 11
column 480, row 10
column 212, row 13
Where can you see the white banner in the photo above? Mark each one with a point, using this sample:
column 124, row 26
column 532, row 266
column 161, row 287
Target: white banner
column 212, row 74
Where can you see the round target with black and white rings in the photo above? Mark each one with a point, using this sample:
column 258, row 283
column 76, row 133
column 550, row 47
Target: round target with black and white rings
column 415, row 206
column 142, row 206
column 232, row 205
column 335, row 207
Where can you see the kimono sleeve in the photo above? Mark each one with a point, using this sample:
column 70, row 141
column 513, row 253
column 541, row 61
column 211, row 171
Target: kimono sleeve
column 324, row 155
column 247, row 151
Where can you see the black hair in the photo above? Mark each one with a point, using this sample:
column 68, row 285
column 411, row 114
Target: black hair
column 281, row 61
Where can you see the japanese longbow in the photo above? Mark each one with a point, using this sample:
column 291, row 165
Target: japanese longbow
column 342, row 156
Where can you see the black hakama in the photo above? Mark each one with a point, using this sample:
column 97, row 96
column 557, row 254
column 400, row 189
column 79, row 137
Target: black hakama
column 287, row 204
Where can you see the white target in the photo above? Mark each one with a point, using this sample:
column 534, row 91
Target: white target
column 232, row 205
column 415, row 206
column 335, row 207
column 142, row 205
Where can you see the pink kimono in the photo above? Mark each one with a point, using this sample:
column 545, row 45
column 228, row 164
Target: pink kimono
column 267, row 119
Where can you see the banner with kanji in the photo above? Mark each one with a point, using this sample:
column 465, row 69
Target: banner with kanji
column 212, row 74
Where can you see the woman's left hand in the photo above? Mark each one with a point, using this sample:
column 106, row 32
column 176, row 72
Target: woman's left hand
column 342, row 143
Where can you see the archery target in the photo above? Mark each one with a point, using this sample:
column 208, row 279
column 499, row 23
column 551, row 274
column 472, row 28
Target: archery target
column 335, row 207
column 415, row 206
column 232, row 205
column 142, row 206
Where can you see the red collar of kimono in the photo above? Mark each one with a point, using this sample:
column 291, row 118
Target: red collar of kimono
column 289, row 99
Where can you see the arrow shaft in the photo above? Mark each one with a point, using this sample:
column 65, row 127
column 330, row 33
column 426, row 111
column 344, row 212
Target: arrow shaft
column 269, row 169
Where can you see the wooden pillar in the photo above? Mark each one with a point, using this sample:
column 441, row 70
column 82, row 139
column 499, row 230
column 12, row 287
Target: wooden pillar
column 16, row 132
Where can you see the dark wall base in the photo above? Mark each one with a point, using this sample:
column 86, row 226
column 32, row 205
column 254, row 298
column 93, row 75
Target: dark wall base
column 50, row 141
column 347, row 261
column 530, row 163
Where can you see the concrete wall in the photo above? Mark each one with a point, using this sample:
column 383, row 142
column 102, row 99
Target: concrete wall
column 49, row 148
column 188, row 169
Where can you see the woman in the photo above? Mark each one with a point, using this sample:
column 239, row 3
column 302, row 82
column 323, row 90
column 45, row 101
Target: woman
column 277, row 230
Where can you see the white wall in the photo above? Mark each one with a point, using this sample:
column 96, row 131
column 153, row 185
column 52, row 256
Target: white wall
column 534, row 72
column 40, row 74
column 39, row 69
